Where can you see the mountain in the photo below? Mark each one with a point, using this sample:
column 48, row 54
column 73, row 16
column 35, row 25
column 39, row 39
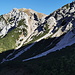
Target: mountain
column 26, row 34
column 18, row 26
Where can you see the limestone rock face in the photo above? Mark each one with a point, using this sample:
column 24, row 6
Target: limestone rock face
column 26, row 25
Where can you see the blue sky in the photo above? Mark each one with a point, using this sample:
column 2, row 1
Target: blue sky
column 42, row 6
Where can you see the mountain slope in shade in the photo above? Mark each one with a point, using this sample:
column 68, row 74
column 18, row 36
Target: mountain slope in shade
column 55, row 63
column 32, row 35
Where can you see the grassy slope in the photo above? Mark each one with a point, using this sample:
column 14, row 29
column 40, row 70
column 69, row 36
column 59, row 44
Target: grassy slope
column 57, row 63
column 9, row 41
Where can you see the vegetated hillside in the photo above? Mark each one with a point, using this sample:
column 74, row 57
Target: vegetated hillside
column 36, row 43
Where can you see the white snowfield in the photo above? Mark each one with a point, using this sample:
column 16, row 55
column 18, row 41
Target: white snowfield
column 68, row 40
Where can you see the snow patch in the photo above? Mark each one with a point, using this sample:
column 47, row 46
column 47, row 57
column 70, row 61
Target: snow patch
column 68, row 40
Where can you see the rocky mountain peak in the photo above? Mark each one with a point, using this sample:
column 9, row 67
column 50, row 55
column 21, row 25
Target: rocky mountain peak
column 26, row 25
column 31, row 12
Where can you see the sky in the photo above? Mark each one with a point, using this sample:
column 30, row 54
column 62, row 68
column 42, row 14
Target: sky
column 42, row 6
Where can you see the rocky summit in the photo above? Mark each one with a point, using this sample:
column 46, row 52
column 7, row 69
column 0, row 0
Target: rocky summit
column 32, row 35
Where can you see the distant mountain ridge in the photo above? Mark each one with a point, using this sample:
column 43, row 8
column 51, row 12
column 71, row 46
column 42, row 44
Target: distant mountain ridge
column 29, row 32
